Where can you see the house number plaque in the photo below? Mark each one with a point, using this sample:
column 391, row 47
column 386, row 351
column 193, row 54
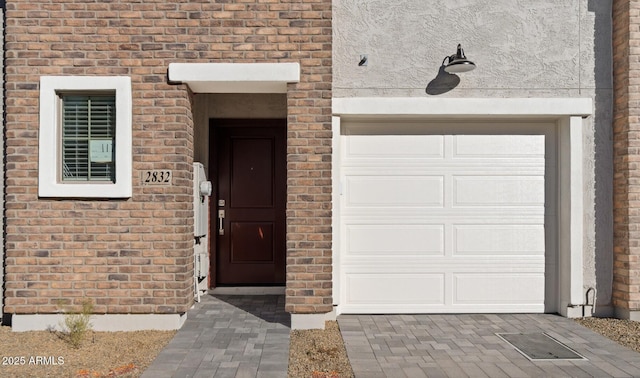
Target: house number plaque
column 157, row 177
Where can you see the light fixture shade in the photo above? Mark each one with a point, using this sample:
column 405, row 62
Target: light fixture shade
column 458, row 62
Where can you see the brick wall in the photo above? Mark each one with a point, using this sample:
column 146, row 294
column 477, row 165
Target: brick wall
column 308, row 156
column 135, row 255
column 2, row 171
column 626, row 129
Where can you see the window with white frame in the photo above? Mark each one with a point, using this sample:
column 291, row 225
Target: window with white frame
column 85, row 137
column 88, row 137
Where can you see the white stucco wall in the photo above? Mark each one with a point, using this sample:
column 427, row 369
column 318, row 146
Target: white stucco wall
column 544, row 48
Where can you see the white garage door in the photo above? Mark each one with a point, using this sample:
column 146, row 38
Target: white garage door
column 446, row 218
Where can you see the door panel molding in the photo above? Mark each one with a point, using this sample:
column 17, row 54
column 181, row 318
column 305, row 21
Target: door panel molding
column 248, row 165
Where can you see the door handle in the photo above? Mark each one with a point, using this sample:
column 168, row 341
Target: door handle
column 220, row 222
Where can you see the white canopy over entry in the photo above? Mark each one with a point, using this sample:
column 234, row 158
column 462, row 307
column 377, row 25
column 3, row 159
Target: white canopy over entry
column 235, row 77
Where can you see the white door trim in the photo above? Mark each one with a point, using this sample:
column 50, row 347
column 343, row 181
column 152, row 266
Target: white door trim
column 568, row 113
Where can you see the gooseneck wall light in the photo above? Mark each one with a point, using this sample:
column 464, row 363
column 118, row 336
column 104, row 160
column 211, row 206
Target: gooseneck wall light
column 458, row 62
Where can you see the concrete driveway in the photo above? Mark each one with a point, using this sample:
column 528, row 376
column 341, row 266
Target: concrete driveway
column 468, row 346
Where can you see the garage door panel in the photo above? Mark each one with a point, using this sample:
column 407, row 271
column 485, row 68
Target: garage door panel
column 498, row 239
column 393, row 191
column 424, row 237
column 381, row 265
column 498, row 191
column 498, row 288
column 499, row 146
column 394, row 147
column 437, row 292
column 437, row 285
column 453, row 222
column 398, row 289
column 396, row 239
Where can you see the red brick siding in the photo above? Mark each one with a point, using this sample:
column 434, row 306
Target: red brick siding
column 135, row 255
column 626, row 130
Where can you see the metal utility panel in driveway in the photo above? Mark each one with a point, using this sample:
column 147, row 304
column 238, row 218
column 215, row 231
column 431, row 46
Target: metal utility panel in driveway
column 539, row 346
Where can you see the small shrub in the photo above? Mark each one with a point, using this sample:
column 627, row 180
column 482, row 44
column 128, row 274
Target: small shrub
column 76, row 325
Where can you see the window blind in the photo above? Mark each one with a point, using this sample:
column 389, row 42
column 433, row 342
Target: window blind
column 88, row 137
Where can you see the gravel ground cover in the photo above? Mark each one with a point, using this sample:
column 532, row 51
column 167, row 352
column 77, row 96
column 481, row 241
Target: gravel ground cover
column 101, row 354
column 318, row 353
column 624, row 332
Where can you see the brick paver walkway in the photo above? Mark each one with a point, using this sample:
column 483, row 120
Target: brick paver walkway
column 467, row 346
column 248, row 336
column 229, row 336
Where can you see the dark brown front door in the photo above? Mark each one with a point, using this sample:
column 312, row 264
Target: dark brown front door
column 248, row 215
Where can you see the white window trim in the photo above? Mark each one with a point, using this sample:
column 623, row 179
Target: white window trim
column 49, row 184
